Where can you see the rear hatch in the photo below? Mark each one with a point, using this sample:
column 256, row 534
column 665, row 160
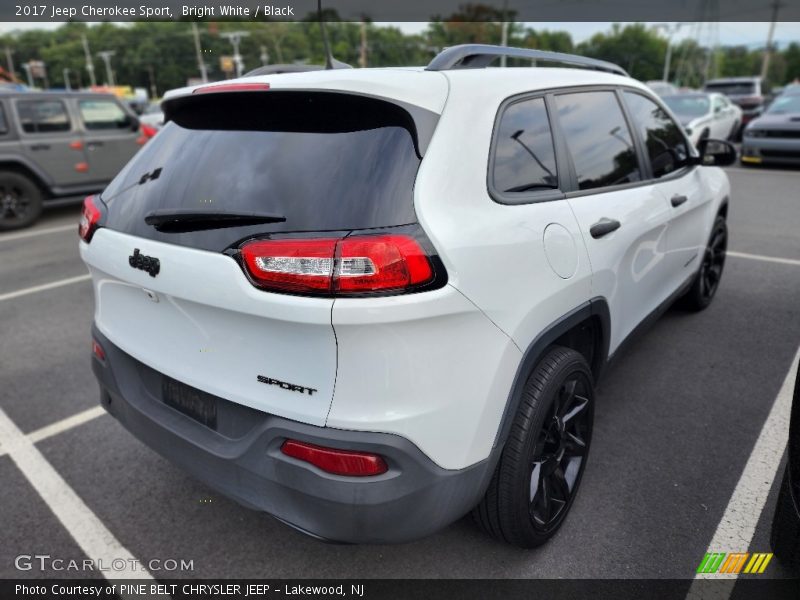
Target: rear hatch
column 285, row 164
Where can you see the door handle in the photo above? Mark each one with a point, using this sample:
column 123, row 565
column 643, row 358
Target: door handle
column 92, row 145
column 603, row 227
column 676, row 201
column 35, row 147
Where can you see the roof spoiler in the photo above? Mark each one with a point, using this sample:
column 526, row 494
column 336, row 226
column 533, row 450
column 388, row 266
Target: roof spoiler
column 478, row 56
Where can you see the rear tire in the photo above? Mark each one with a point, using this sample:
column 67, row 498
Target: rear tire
column 542, row 463
column 20, row 201
column 785, row 538
column 706, row 282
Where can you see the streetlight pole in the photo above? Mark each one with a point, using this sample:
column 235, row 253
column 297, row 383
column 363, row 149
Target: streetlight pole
column 66, row 80
column 89, row 61
column 235, row 38
column 199, row 52
column 27, row 68
column 106, row 56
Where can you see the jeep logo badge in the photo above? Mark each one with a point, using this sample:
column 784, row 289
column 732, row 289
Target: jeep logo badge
column 148, row 264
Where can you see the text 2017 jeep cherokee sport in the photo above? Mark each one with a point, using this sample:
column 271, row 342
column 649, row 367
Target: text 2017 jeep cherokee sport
column 370, row 301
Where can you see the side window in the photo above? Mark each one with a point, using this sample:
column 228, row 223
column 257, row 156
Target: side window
column 598, row 139
column 103, row 114
column 524, row 157
column 665, row 143
column 43, row 116
column 3, row 121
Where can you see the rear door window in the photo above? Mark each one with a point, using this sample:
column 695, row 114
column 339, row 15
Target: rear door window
column 666, row 147
column 322, row 161
column 598, row 139
column 43, row 116
column 103, row 115
column 524, row 156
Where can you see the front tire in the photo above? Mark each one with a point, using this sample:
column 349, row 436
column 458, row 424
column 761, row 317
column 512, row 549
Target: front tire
column 706, row 282
column 542, row 463
column 20, row 201
column 785, row 536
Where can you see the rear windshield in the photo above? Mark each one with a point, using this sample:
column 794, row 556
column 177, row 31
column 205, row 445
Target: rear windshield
column 688, row 106
column 732, row 89
column 321, row 161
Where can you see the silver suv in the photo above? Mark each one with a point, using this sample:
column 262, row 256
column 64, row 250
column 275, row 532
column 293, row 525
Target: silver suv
column 56, row 146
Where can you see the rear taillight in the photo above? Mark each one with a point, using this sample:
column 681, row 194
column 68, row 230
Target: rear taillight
column 339, row 462
column 232, row 87
column 338, row 266
column 90, row 217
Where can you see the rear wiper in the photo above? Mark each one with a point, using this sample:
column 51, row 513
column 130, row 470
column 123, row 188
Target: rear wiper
column 170, row 220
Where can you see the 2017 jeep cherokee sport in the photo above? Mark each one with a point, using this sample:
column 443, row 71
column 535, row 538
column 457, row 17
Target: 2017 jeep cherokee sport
column 370, row 301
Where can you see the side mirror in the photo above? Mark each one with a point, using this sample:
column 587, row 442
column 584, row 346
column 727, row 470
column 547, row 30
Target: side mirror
column 717, row 109
column 716, row 153
column 134, row 121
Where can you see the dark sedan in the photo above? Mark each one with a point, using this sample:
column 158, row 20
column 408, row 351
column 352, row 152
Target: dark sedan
column 774, row 137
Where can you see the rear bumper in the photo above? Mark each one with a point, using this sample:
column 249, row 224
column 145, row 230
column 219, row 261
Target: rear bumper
column 242, row 460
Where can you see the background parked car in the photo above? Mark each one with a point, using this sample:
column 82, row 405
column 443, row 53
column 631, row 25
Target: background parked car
column 774, row 137
column 59, row 146
column 706, row 115
column 751, row 94
column 153, row 116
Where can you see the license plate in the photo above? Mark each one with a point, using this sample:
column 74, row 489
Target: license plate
column 194, row 403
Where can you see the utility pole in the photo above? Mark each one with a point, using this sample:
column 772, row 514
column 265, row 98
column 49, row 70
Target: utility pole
column 504, row 32
column 89, row 61
column 200, row 63
column 10, row 61
column 362, row 55
column 66, row 79
column 27, row 68
column 153, row 88
column 235, row 38
column 264, row 56
column 768, row 50
column 106, row 56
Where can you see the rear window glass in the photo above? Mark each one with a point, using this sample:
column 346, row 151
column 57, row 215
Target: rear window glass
column 524, row 159
column 325, row 164
column 103, row 114
column 43, row 116
column 732, row 89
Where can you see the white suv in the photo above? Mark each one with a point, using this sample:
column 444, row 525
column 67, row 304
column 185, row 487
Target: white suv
column 370, row 301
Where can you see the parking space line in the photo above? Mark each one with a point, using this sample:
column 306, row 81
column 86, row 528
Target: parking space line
column 738, row 524
column 44, row 287
column 96, row 541
column 772, row 259
column 34, row 232
column 62, row 425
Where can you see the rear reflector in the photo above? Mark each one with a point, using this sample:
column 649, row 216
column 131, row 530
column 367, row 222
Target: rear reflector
column 233, row 87
column 90, row 217
column 98, row 351
column 338, row 462
column 350, row 265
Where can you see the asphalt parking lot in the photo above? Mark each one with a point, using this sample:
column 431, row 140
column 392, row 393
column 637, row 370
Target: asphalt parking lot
column 678, row 417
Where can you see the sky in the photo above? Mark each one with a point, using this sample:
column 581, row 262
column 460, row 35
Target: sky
column 730, row 33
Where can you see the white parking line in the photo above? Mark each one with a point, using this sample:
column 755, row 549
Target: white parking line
column 62, row 425
column 43, row 287
column 772, row 259
column 738, row 524
column 34, row 232
column 753, row 171
column 97, row 542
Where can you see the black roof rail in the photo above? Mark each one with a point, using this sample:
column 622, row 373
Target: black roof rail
column 478, row 56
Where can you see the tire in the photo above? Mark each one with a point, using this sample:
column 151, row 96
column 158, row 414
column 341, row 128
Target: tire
column 706, row 282
column 785, row 538
column 20, row 201
column 540, row 469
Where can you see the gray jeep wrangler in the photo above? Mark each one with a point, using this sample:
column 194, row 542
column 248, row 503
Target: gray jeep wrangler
column 56, row 147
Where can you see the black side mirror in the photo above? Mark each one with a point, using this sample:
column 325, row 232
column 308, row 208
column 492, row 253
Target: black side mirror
column 716, row 153
column 134, row 121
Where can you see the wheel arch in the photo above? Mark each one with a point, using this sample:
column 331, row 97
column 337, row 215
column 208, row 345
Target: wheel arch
column 585, row 329
column 24, row 167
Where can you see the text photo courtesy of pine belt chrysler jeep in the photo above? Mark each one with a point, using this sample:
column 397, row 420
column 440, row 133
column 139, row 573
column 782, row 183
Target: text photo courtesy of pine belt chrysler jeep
column 371, row 301
column 57, row 147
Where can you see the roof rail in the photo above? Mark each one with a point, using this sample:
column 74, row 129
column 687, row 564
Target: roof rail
column 478, row 56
